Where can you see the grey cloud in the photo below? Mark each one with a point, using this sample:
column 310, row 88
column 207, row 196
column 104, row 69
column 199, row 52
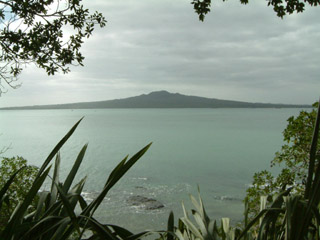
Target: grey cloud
column 239, row 52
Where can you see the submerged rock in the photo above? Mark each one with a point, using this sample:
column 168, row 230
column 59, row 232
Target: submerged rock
column 140, row 187
column 144, row 202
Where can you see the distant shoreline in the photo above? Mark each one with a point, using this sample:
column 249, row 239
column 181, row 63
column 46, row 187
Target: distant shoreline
column 158, row 100
column 74, row 109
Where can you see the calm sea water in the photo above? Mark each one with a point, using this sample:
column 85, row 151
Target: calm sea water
column 217, row 149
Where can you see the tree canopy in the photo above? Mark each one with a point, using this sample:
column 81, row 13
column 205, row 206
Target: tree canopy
column 48, row 33
column 281, row 7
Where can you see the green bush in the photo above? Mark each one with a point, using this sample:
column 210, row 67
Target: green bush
column 293, row 158
column 19, row 187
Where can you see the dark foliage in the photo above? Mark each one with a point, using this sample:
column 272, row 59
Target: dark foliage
column 47, row 33
column 280, row 7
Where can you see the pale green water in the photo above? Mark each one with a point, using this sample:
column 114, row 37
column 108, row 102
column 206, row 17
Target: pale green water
column 219, row 149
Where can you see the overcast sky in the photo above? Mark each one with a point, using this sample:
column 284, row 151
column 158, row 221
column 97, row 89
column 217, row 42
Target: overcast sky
column 240, row 52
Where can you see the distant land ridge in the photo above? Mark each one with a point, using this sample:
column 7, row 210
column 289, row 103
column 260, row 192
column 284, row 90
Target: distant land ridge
column 160, row 99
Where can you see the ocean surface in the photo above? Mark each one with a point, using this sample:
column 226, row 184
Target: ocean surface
column 218, row 150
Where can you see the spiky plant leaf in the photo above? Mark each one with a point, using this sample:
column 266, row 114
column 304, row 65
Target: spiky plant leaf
column 179, row 235
column 41, row 204
column 170, row 227
column 313, row 150
column 43, row 226
column 17, row 216
column 6, row 186
column 67, row 206
column 58, row 147
column 68, row 182
column 102, row 231
column 60, row 229
column 200, row 222
column 116, row 175
column 191, row 227
column 185, row 214
column 122, row 232
column 225, row 225
column 55, row 180
column 75, row 193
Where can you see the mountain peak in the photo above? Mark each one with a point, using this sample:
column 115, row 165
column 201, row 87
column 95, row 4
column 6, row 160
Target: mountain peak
column 160, row 93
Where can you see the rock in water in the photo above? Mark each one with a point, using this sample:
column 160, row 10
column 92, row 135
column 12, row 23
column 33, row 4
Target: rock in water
column 144, row 202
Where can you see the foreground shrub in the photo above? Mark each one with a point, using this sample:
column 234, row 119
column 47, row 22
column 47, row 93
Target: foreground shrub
column 294, row 159
column 18, row 188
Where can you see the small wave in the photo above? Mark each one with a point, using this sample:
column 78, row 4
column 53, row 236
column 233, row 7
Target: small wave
column 226, row 198
column 90, row 196
column 141, row 178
